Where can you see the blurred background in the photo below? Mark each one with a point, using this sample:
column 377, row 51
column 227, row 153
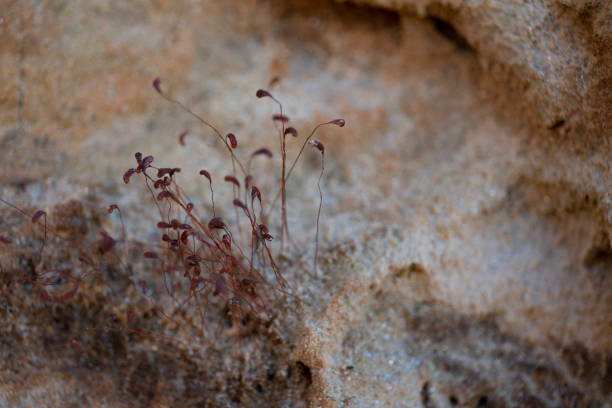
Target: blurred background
column 465, row 235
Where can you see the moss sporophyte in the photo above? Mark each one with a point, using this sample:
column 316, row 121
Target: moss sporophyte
column 201, row 259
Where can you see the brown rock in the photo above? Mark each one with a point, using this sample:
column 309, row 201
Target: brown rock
column 465, row 255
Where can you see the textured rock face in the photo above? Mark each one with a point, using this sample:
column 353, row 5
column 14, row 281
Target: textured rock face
column 465, row 239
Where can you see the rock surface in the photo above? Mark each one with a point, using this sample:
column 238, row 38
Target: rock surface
column 465, row 249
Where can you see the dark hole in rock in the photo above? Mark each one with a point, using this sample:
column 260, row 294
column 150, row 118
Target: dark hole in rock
column 304, row 372
column 448, row 31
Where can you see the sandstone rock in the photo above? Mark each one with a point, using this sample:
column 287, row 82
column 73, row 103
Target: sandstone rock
column 465, row 237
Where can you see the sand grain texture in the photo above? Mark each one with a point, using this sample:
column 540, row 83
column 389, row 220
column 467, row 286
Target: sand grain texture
column 465, row 250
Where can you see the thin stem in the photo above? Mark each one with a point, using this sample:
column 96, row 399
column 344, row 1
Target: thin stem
column 316, row 257
column 283, row 146
column 212, row 198
column 273, row 203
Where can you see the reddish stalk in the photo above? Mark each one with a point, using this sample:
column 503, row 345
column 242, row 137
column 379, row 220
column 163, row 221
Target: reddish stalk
column 337, row 122
column 318, row 145
column 282, row 118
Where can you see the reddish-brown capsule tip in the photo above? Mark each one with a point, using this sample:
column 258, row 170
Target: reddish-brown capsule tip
column 150, row 255
column 232, row 179
column 318, row 145
column 255, row 193
column 185, row 236
column 37, row 215
column 280, row 118
column 216, row 223
column 227, row 241
column 112, row 208
column 189, row 207
column 106, row 242
column 292, row 131
column 163, row 224
column 232, row 140
column 262, row 93
column 164, row 194
column 127, row 175
column 161, row 172
column 206, row 174
column 181, row 137
column 240, row 204
column 338, row 122
column 264, row 150
column 157, row 85
column 146, row 162
column 138, row 157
